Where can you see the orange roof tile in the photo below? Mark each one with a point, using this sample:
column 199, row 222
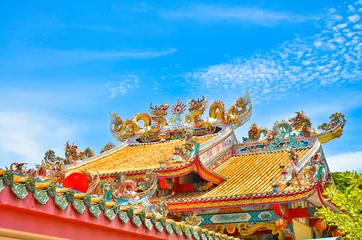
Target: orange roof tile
column 133, row 158
column 246, row 174
column 251, row 173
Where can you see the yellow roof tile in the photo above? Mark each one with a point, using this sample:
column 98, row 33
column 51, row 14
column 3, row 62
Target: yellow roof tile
column 246, row 174
column 132, row 158
column 251, row 173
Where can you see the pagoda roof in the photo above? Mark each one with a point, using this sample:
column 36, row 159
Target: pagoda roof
column 132, row 157
column 249, row 182
column 251, row 173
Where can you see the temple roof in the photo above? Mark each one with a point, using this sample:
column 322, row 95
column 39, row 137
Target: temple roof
column 249, row 176
column 130, row 158
column 251, row 173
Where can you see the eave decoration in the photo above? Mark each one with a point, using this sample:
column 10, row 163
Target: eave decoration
column 292, row 132
column 157, row 128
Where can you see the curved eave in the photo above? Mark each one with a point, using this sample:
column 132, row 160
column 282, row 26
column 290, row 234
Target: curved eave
column 325, row 202
column 177, row 171
column 242, row 200
column 327, row 136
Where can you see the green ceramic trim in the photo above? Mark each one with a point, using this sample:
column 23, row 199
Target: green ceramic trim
column 159, row 226
column 124, row 217
column 19, row 190
column 142, row 215
column 61, row 201
column 87, row 199
column 95, row 210
column 196, row 235
column 178, row 231
column 148, row 224
column 2, row 185
column 41, row 196
column 130, row 212
column 69, row 194
column 153, row 218
column 102, row 204
column 163, row 221
column 110, row 213
column 8, row 177
column 30, row 184
column 169, row 229
column 136, row 221
column 187, row 233
column 79, row 205
column 51, row 189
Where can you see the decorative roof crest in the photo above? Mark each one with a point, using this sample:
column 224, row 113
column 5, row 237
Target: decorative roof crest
column 157, row 128
column 291, row 132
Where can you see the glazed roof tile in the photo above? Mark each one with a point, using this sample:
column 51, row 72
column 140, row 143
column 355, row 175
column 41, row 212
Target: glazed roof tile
column 134, row 157
column 248, row 174
column 251, row 173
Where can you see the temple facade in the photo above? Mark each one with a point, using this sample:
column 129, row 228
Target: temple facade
column 191, row 175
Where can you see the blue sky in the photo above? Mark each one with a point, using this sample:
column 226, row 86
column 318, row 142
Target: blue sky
column 65, row 65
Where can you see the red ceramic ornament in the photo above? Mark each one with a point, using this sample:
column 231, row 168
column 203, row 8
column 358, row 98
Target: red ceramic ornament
column 76, row 181
column 320, row 225
column 281, row 224
column 230, row 228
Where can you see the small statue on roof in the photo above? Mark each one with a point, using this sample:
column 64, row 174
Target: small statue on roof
column 190, row 142
column 18, row 167
column 193, row 220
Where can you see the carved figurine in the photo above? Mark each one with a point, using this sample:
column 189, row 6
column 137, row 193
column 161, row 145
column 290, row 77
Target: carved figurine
column 193, row 220
column 235, row 112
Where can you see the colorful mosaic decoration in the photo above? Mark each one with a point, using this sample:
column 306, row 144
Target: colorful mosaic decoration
column 157, row 128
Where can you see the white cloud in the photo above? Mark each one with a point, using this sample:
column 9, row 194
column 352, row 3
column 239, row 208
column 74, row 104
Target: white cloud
column 127, row 83
column 43, row 58
column 25, row 137
column 345, row 161
column 208, row 13
column 323, row 59
column 354, row 18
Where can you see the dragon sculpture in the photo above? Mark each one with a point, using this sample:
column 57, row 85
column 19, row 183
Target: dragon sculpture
column 335, row 119
column 107, row 147
column 235, row 113
column 72, row 155
column 155, row 126
column 256, row 133
column 124, row 190
column 152, row 123
column 196, row 110
column 301, row 122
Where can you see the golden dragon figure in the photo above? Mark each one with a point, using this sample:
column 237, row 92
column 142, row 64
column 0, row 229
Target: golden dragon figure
column 152, row 123
column 122, row 129
column 235, row 112
column 196, row 109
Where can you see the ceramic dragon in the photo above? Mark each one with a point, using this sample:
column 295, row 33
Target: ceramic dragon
column 335, row 120
column 121, row 129
column 256, row 133
column 196, row 109
column 235, row 112
column 72, row 154
column 152, row 123
column 301, row 122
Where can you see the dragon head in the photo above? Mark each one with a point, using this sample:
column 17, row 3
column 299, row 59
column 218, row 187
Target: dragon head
column 244, row 99
column 197, row 104
column 159, row 111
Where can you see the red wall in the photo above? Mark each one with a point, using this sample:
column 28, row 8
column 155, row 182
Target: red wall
column 29, row 216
